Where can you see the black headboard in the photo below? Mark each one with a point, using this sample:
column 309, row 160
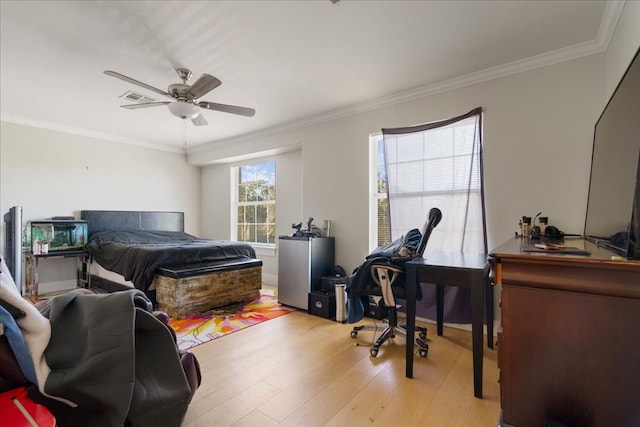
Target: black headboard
column 133, row 220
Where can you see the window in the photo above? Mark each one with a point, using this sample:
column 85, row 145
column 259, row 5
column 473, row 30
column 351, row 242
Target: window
column 433, row 165
column 256, row 203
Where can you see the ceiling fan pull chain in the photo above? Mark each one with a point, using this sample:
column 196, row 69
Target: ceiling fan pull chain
column 184, row 133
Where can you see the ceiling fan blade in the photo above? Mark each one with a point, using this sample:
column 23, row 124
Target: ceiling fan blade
column 199, row 120
column 233, row 109
column 136, row 82
column 205, row 84
column 145, row 105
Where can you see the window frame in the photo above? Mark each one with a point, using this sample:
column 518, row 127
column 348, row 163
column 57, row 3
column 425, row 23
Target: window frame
column 264, row 248
column 375, row 139
column 472, row 191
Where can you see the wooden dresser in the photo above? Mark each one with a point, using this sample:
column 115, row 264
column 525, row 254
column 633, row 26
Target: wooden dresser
column 569, row 341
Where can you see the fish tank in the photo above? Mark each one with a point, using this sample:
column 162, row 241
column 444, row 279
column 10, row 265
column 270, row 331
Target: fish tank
column 57, row 235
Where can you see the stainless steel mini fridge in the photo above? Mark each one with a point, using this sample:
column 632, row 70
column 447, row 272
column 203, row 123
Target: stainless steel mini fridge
column 302, row 261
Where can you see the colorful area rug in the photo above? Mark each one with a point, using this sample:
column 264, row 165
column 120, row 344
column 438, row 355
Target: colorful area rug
column 204, row 327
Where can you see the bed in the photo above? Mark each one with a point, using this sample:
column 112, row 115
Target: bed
column 182, row 273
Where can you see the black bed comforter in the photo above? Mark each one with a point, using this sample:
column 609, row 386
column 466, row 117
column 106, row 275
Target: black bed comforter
column 137, row 254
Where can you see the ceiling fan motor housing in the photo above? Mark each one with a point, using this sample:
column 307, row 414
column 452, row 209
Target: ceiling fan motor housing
column 179, row 91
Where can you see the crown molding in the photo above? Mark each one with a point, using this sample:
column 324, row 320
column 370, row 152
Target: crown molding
column 87, row 133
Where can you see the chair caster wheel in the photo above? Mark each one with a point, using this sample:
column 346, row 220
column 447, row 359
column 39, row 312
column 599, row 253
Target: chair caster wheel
column 422, row 352
column 373, row 352
column 423, row 335
column 354, row 334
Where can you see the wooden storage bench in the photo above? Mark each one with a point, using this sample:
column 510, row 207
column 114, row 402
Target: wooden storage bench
column 187, row 290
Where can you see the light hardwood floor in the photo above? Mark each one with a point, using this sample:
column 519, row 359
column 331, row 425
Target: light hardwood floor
column 303, row 370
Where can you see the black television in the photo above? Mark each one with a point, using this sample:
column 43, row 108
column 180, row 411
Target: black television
column 613, row 207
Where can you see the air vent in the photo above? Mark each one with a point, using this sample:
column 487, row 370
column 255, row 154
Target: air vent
column 138, row 98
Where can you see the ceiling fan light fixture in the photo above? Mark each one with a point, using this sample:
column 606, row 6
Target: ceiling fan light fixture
column 184, row 110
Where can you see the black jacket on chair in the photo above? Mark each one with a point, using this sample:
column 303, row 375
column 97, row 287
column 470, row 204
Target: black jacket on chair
column 361, row 283
column 396, row 253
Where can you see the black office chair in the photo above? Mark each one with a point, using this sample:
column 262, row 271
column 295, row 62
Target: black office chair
column 384, row 276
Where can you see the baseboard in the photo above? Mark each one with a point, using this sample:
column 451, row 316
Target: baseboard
column 461, row 326
column 270, row 279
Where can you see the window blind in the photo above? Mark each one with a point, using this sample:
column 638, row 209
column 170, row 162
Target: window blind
column 438, row 165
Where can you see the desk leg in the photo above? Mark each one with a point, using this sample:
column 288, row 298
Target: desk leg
column 477, row 327
column 412, row 284
column 488, row 287
column 439, row 309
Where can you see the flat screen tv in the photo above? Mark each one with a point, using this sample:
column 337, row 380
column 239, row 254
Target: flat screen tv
column 613, row 207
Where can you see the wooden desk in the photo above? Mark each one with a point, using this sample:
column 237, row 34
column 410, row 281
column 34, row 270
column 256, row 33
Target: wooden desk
column 569, row 350
column 453, row 269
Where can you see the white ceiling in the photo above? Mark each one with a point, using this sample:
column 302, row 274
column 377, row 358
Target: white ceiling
column 295, row 62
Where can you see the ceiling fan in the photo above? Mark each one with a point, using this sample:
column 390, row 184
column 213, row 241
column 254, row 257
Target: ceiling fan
column 186, row 102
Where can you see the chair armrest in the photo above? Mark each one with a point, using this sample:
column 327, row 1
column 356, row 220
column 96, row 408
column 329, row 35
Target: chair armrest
column 387, row 266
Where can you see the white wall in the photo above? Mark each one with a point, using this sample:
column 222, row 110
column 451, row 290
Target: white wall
column 52, row 173
column 538, row 129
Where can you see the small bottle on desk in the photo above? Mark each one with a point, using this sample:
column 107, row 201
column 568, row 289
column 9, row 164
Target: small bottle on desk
column 543, row 220
column 526, row 227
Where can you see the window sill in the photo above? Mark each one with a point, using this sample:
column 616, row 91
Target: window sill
column 264, row 249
